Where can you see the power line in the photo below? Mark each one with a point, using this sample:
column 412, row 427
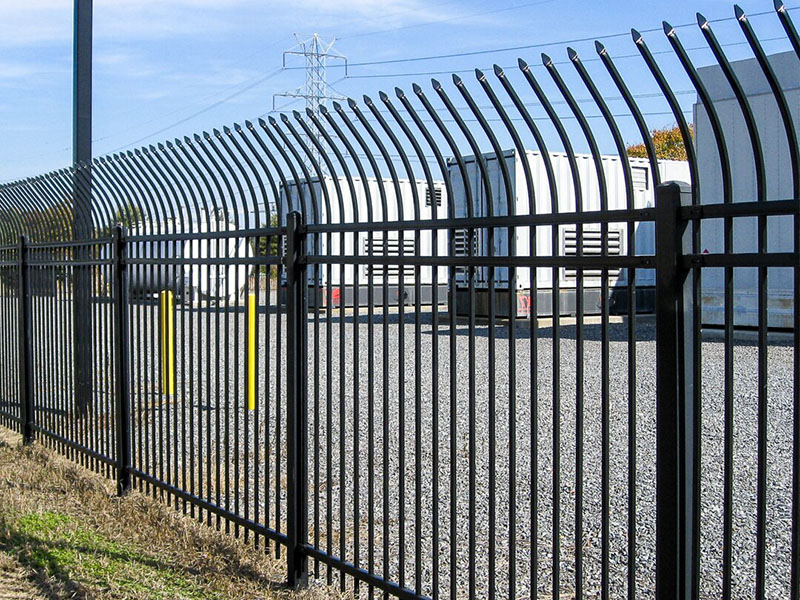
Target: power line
column 542, row 44
column 558, row 62
column 229, row 97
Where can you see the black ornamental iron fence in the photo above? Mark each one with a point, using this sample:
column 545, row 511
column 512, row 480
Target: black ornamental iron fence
column 418, row 363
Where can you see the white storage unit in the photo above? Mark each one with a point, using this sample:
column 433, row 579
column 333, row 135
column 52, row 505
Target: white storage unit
column 344, row 208
column 192, row 281
column 616, row 241
column 780, row 234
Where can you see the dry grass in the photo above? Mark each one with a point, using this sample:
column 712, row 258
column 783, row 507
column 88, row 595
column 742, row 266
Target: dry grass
column 64, row 533
column 15, row 580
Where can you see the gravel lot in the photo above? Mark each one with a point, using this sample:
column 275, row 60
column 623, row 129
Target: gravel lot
column 419, row 446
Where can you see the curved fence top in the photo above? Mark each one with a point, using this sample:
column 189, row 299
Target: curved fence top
column 406, row 155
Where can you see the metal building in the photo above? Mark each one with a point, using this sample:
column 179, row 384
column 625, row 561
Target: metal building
column 744, row 188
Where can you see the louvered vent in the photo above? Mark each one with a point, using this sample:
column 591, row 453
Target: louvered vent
column 437, row 194
column 461, row 246
column 393, row 248
column 640, row 178
column 592, row 246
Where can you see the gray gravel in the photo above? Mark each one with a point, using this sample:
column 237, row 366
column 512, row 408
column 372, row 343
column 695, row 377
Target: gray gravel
column 259, row 490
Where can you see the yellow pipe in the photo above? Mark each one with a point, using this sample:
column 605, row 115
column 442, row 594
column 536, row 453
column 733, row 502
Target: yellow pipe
column 167, row 344
column 251, row 351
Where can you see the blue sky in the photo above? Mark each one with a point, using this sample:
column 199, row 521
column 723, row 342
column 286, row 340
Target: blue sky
column 168, row 68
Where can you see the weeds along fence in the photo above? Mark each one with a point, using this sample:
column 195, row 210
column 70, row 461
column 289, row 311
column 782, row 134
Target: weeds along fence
column 403, row 342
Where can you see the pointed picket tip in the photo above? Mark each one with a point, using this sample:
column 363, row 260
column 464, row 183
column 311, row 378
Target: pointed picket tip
column 779, row 6
column 546, row 60
column 479, row 75
column 573, row 56
column 248, row 124
column 702, row 21
column 153, row 148
column 336, row 106
column 237, row 128
column 217, row 133
column 739, row 13
column 161, row 146
column 668, row 29
column 367, row 100
column 636, row 36
column 352, row 103
column 417, row 88
column 272, row 120
column 384, row 96
column 436, row 85
column 187, row 139
column 600, row 48
column 399, row 93
column 322, row 108
column 285, row 118
column 310, row 113
column 498, row 70
column 296, row 114
column 523, row 65
column 262, row 123
column 457, row 80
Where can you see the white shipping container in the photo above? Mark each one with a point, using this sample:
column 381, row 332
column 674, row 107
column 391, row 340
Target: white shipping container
column 371, row 196
column 195, row 281
column 616, row 241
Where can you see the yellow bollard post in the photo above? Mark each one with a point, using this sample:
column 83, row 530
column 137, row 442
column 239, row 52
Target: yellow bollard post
column 251, row 351
column 167, row 344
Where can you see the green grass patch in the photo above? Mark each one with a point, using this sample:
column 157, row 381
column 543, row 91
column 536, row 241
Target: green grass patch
column 62, row 548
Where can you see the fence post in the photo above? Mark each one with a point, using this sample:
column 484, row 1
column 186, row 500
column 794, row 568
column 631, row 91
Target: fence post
column 297, row 401
column 25, row 345
column 121, row 366
column 674, row 397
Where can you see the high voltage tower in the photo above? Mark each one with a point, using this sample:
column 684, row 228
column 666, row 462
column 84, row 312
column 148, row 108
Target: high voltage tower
column 316, row 89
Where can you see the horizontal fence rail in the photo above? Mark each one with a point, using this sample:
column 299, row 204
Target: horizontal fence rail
column 422, row 345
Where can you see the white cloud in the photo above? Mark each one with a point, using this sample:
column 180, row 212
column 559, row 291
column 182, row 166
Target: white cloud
column 14, row 70
column 50, row 21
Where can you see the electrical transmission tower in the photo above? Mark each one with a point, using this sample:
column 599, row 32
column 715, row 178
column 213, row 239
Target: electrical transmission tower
column 316, row 89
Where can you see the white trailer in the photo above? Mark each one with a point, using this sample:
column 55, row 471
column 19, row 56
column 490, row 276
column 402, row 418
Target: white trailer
column 616, row 241
column 342, row 280
column 780, row 234
column 194, row 280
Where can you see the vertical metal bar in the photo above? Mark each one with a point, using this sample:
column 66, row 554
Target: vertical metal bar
column 25, row 337
column 674, row 399
column 121, row 364
column 795, row 560
column 728, row 318
column 761, row 193
column 296, row 405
